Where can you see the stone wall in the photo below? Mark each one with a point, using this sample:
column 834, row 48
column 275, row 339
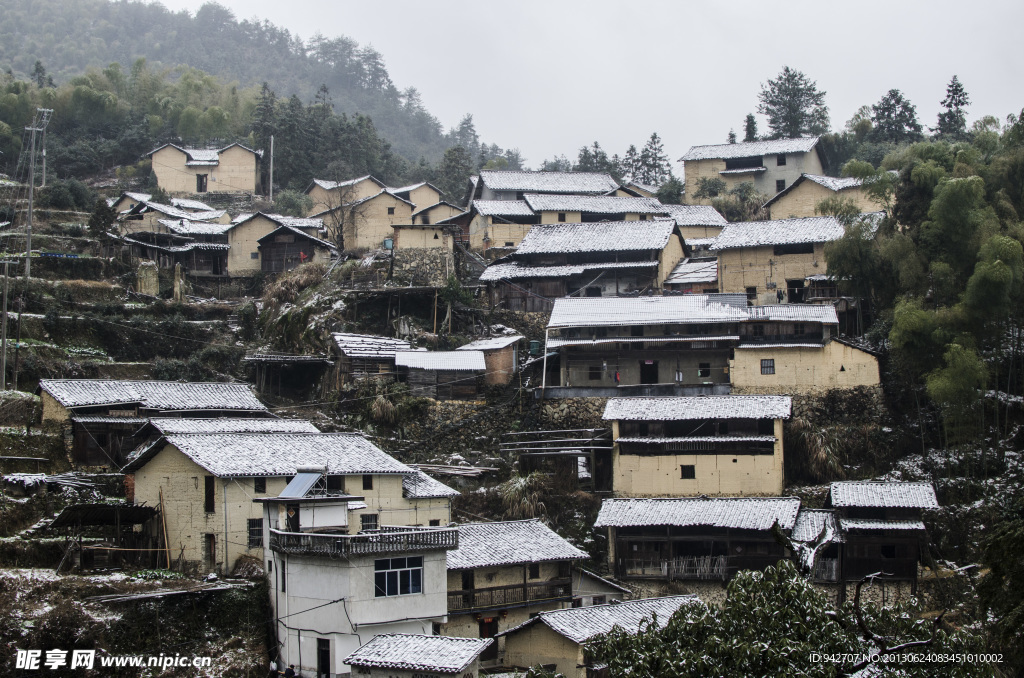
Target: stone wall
column 572, row 413
column 422, row 266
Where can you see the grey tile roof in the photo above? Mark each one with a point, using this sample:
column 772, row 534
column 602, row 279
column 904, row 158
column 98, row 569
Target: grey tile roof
column 503, row 208
column 834, row 183
column 739, row 513
column 819, row 313
column 778, row 232
column 277, row 454
column 650, row 188
column 602, row 236
column 701, row 269
column 172, row 212
column 331, row 185
column 407, row 652
column 186, row 204
column 459, row 361
column 368, row 345
column 419, row 485
column 154, row 395
column 511, row 270
column 282, row 219
column 509, row 543
column 698, row 407
column 299, row 232
column 188, row 227
column 549, row 182
column 749, row 149
column 596, row 204
column 696, row 215
column 169, row 425
column 491, row 343
column 580, row 624
column 809, row 523
column 556, row 342
column 186, row 247
column 698, row 243
column 877, row 524
column 883, row 494
column 612, row 311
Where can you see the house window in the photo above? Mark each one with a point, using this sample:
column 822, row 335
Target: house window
column 254, row 255
column 510, row 244
column 798, row 328
column 636, row 331
column 768, row 366
column 367, row 482
column 594, row 373
column 436, row 522
column 687, row 472
column 794, row 248
column 704, row 369
column 643, row 428
column 780, row 185
column 751, row 293
column 398, row 576
column 425, row 219
column 534, row 570
column 255, row 526
column 780, row 160
column 201, row 183
column 561, row 216
column 891, row 551
column 391, row 210
column 209, row 505
column 282, row 570
column 335, row 483
column 259, row 485
column 368, row 521
column 598, row 600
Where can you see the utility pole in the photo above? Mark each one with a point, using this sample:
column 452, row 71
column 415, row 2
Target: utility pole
column 42, row 118
column 271, row 168
column 43, row 184
column 3, row 334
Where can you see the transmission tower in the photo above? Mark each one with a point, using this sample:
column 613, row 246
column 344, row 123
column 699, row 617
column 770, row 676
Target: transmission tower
column 39, row 123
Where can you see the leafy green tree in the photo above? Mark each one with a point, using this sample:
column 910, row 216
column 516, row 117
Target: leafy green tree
column 750, row 128
column 102, row 219
column 958, row 220
column 709, row 187
column 952, row 122
column 294, row 203
column 670, row 192
column 793, row 105
column 894, row 119
column 453, row 173
column 40, row 77
column 955, row 388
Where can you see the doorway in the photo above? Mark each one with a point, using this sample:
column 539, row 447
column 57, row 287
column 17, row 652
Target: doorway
column 489, row 629
column 201, row 183
column 649, row 372
column 323, row 658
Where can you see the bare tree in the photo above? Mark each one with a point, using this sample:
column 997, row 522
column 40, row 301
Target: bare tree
column 343, row 212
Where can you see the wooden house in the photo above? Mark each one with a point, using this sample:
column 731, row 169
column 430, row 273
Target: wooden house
column 401, row 655
column 182, row 171
column 363, row 356
column 287, row 247
column 501, row 357
column 801, row 197
column 442, row 375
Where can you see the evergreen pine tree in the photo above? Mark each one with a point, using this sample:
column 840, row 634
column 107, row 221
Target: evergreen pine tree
column 952, row 122
column 750, row 128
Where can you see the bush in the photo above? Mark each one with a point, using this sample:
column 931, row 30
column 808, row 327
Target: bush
column 294, row 203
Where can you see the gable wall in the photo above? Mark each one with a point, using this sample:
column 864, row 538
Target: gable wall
column 802, row 200
column 243, row 240
column 803, row 370
column 539, row 644
column 424, row 196
column 757, row 266
column 324, row 199
column 764, row 182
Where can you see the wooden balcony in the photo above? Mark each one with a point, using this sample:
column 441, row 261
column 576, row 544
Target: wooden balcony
column 687, row 567
column 385, row 540
column 515, row 595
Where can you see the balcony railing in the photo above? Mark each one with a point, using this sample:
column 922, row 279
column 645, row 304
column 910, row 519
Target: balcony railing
column 687, row 567
column 385, row 540
column 781, row 339
column 515, row 595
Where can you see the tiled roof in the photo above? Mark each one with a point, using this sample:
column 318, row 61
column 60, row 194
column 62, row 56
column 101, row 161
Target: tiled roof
column 701, row 269
column 154, row 395
column 834, row 183
column 877, row 494
column 187, row 227
column 596, row 204
column 141, row 197
column 186, row 204
column 698, row 407
column 418, row 485
column 778, row 232
column 511, row 270
column 277, row 454
column 815, row 313
column 331, row 185
column 611, row 311
column 878, row 524
column 556, row 342
column 650, row 188
column 699, row 243
column 171, row 425
column 549, row 182
column 710, row 439
column 509, row 543
column 465, row 361
column 744, row 170
column 186, row 247
column 749, row 149
column 368, row 345
column 740, row 513
column 436, row 204
column 300, row 233
column 491, row 343
column 580, row 624
column 503, row 208
column 809, row 523
column 602, row 236
column 696, row 215
column 407, row 652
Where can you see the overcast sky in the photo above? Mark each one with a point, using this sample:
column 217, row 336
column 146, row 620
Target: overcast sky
column 548, row 76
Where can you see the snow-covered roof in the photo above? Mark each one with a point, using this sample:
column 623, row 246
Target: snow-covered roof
column 740, row 513
column 408, row 652
column 187, row 204
column 171, row 425
column 595, row 204
column 778, row 232
column 368, row 345
column 613, row 311
column 597, row 183
column 269, row 237
column 412, row 187
column 503, row 208
column 510, row 270
column 698, row 407
column 188, row 227
column 459, row 361
column 699, row 243
column 331, row 185
column 809, row 523
column 701, row 269
column 580, row 624
column 142, row 197
column 810, row 313
column 282, row 219
column 418, row 485
column 879, row 524
column 744, row 170
column 709, row 439
column 749, row 149
column 154, row 395
column 437, row 204
column 277, row 454
column 878, row 494
column 650, row 188
column 602, row 236
column 696, row 215
column 491, row 343
column 186, row 247
column 509, row 543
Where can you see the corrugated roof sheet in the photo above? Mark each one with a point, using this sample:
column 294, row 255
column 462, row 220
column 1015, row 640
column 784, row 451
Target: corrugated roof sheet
column 511, row 270
column 740, row 513
column 549, row 182
column 503, row 208
column 465, row 361
column 368, row 345
column 580, row 624
column 617, row 311
column 155, row 395
column 509, row 543
column 702, row 269
column 698, row 407
column 491, row 343
column 407, row 652
column 169, row 425
column 595, row 204
column 879, row 494
column 876, row 524
column 778, row 232
column 419, row 485
column 602, row 236
column 815, row 313
column 809, row 523
column 696, row 215
column 749, row 149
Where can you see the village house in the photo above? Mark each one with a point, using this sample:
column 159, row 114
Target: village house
column 770, row 166
column 641, row 190
column 434, row 212
column 501, row 357
column 694, row 275
column 696, row 539
column 499, row 224
column 367, row 222
column 442, row 375
column 326, row 195
column 421, row 194
column 594, row 260
column 363, row 356
column 801, row 197
column 182, row 171
column 286, row 248
column 244, row 257
column 590, row 589
column 697, row 224
column 151, row 217
column 101, row 418
column 556, row 640
column 432, row 237
column 574, row 209
column 691, row 446
column 419, row 656
column 514, row 185
column 204, row 484
column 332, row 590
column 503, row 573
column 129, row 199
column 812, row 524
